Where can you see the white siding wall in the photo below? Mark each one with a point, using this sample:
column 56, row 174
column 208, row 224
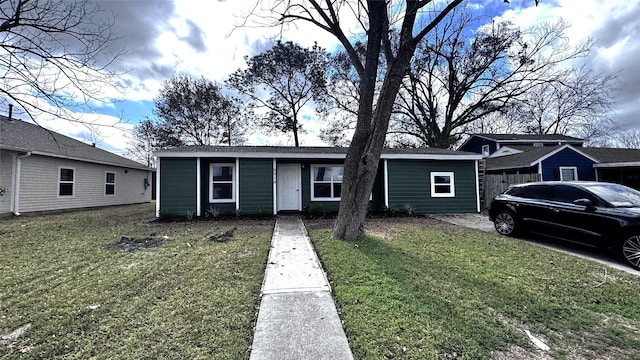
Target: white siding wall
column 39, row 185
column 6, row 171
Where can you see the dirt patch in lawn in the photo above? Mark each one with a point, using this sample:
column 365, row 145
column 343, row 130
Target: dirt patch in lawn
column 381, row 227
column 131, row 244
column 223, row 237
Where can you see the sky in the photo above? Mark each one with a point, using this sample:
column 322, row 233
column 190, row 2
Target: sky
column 162, row 38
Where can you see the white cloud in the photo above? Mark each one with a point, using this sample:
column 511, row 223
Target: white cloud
column 196, row 37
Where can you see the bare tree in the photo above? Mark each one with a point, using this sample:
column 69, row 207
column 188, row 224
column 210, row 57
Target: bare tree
column 375, row 20
column 143, row 143
column 629, row 139
column 55, row 55
column 577, row 103
column 454, row 81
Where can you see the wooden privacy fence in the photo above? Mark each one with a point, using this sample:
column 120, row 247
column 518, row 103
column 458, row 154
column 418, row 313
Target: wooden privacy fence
column 494, row 184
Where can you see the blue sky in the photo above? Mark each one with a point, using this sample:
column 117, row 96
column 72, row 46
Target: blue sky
column 165, row 37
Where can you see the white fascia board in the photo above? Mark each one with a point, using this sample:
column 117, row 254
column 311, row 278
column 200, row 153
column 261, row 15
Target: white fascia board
column 618, row 164
column 505, row 151
column 254, row 155
column 431, row 157
column 545, row 157
column 260, row 155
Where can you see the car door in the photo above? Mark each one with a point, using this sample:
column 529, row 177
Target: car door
column 533, row 207
column 580, row 223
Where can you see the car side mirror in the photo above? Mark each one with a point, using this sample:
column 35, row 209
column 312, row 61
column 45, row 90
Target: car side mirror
column 585, row 202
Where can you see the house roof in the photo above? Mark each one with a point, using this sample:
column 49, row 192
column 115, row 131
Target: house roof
column 614, row 157
column 529, row 137
column 523, row 159
column 22, row 136
column 313, row 152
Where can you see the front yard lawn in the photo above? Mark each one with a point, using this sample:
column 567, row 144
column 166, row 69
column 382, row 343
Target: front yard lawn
column 423, row 289
column 70, row 291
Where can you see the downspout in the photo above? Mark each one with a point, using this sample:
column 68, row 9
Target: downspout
column 16, row 189
column 158, row 160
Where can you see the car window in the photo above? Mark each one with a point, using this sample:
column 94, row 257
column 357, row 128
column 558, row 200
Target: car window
column 542, row 192
column 617, row 195
column 569, row 194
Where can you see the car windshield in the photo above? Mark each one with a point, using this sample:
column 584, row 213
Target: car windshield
column 616, row 195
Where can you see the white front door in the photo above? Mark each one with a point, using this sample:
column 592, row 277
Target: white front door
column 288, row 185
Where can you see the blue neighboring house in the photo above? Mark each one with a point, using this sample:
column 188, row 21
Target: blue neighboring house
column 567, row 163
column 553, row 163
column 488, row 144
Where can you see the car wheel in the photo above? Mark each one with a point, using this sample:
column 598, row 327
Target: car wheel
column 631, row 250
column 506, row 224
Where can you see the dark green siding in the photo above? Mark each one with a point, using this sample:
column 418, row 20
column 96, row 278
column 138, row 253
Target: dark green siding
column 256, row 185
column 178, row 193
column 409, row 184
column 377, row 199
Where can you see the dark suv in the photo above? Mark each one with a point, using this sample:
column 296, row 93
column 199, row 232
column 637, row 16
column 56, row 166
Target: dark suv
column 594, row 213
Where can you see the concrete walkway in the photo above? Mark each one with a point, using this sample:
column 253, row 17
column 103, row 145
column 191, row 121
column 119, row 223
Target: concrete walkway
column 297, row 318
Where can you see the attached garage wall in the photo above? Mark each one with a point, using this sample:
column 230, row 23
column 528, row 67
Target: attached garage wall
column 178, row 183
column 410, row 185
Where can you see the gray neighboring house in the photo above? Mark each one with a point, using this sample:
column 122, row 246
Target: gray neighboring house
column 41, row 170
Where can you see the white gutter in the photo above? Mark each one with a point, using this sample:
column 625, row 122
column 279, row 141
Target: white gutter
column 16, row 189
column 310, row 155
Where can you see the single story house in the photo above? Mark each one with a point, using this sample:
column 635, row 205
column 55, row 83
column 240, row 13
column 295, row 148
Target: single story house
column 41, row 170
column 487, row 144
column 270, row 179
column 565, row 162
column 560, row 162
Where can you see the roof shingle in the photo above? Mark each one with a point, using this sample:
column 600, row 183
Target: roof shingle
column 18, row 135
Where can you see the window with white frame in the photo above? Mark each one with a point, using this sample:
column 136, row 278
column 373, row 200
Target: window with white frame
column 326, row 182
column 110, row 183
column 485, row 150
column 568, row 173
column 442, row 184
column 221, row 183
column 66, row 181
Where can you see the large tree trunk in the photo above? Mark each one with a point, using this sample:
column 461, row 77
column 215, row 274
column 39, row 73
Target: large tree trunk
column 363, row 156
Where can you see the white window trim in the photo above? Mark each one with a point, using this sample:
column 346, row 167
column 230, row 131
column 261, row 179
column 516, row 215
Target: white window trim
column 313, row 195
column 233, row 184
column 573, row 168
column 450, row 174
column 73, row 182
column 486, row 153
column 108, row 183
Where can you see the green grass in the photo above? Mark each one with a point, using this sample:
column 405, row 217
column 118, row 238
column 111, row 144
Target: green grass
column 190, row 298
column 437, row 291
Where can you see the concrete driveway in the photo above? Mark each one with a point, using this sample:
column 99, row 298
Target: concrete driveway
column 482, row 222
